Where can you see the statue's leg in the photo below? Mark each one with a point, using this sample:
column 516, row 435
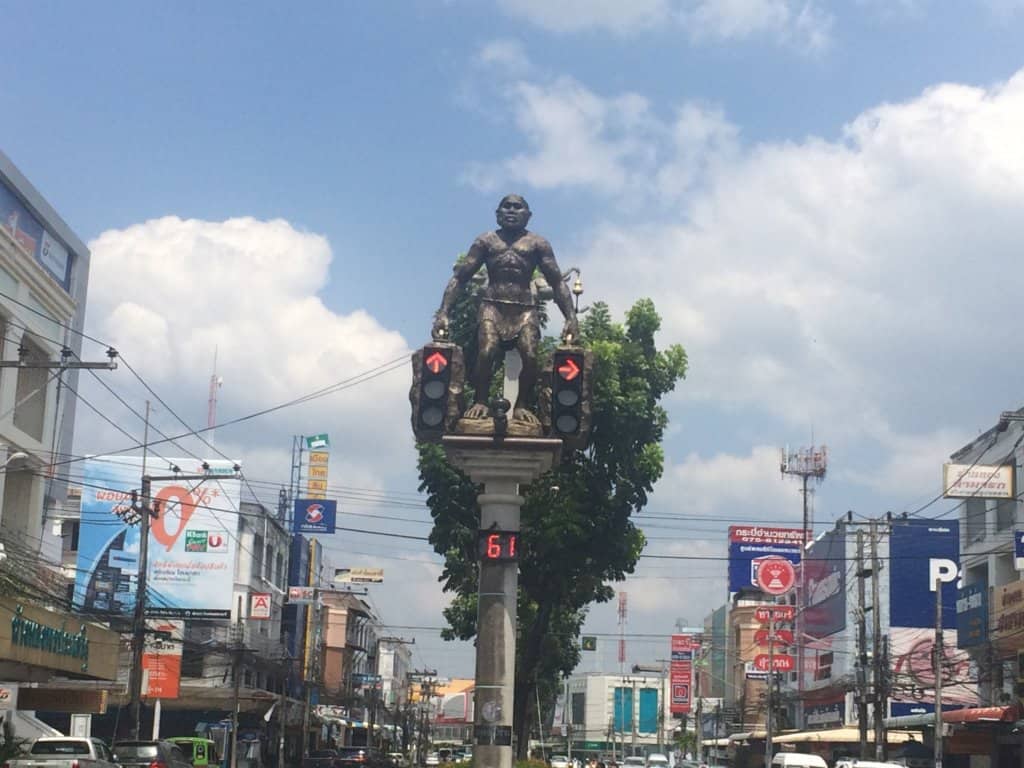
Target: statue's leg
column 487, row 353
column 527, row 343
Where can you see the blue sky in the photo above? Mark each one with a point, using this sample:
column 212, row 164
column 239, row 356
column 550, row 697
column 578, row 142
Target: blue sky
column 824, row 199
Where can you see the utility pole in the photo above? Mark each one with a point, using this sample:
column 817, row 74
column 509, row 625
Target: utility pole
column 769, row 720
column 878, row 677
column 805, row 463
column 862, row 650
column 140, row 513
column 937, row 660
column 236, row 675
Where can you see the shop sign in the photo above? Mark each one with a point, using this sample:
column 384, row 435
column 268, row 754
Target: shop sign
column 56, row 641
column 1008, row 615
column 8, row 697
column 972, row 616
column 828, row 715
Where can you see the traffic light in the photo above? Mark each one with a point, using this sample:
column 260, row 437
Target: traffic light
column 437, row 385
column 569, row 396
column 589, row 643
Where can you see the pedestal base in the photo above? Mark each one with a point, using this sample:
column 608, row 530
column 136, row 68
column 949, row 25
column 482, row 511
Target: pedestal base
column 500, row 466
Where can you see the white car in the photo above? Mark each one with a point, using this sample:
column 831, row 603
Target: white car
column 634, row 762
column 657, row 760
column 433, row 759
column 559, row 761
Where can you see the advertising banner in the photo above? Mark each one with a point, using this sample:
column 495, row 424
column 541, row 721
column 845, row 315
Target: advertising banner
column 977, row 481
column 748, row 543
column 972, row 616
column 191, row 544
column 921, row 551
column 681, row 674
column 8, row 697
column 315, row 516
column 913, row 671
column 29, row 233
column 161, row 659
column 825, row 575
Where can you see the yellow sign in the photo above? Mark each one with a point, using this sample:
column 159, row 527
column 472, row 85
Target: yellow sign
column 318, row 472
column 316, row 485
column 319, row 457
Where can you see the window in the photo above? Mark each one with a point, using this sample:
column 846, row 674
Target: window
column 191, row 663
column 1006, row 514
column 975, row 513
column 30, row 394
column 268, row 563
column 257, row 556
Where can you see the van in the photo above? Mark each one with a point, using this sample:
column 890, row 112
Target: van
column 797, row 760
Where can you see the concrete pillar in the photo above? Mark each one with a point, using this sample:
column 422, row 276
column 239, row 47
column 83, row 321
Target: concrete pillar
column 501, row 467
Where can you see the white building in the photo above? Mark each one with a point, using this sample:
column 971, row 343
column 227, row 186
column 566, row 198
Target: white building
column 624, row 715
column 44, row 272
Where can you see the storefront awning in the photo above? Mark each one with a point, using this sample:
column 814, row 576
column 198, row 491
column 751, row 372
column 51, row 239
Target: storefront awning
column 747, row 736
column 981, row 715
column 842, row 735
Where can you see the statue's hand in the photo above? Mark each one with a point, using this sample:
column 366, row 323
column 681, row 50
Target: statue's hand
column 571, row 331
column 440, row 329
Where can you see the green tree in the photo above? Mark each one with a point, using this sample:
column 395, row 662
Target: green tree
column 577, row 532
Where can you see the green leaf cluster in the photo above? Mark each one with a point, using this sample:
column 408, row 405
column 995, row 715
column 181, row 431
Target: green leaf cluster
column 578, row 536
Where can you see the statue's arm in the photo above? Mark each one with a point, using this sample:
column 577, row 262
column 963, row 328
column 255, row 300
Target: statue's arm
column 549, row 268
column 461, row 275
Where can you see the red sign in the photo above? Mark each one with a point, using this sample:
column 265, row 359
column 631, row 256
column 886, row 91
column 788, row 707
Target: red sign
column 782, row 662
column 161, row 659
column 775, row 575
column 681, row 674
column 569, row 370
column 436, row 362
column 782, row 613
column 782, row 637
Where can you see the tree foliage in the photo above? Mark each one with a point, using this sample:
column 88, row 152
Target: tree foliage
column 577, row 533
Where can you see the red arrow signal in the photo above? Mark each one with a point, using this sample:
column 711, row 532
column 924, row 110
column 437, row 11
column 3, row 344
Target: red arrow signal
column 569, row 370
column 436, row 362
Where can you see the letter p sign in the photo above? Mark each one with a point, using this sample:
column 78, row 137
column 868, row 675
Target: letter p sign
column 941, row 568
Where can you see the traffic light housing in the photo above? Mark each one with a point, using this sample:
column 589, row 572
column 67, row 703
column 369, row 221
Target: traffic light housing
column 438, row 378
column 570, row 395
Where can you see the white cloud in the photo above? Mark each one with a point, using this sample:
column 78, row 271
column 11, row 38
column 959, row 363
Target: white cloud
column 862, row 286
column 799, row 23
column 506, row 55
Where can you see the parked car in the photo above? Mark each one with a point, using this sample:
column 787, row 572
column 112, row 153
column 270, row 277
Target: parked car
column 797, row 760
column 202, row 753
column 433, row 759
column 559, row 761
column 634, row 761
column 657, row 760
column 62, row 752
column 150, row 754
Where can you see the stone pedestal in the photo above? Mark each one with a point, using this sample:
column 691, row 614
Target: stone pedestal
column 501, row 467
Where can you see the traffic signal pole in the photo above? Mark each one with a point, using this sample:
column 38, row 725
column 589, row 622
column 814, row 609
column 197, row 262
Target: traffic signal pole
column 500, row 467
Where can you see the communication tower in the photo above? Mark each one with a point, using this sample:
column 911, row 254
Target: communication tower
column 623, row 611
column 805, row 463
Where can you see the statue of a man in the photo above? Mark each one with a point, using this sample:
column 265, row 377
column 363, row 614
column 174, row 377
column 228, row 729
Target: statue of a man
column 508, row 317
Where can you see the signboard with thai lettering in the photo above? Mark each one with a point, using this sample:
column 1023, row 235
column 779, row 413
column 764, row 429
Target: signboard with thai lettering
column 1008, row 616
column 56, row 641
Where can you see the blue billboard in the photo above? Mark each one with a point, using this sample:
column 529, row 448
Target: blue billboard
column 972, row 616
column 921, row 551
column 315, row 516
column 749, row 543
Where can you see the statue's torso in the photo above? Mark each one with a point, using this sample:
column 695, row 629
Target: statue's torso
column 510, row 265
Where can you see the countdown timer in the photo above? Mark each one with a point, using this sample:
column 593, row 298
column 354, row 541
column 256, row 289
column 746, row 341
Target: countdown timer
column 498, row 546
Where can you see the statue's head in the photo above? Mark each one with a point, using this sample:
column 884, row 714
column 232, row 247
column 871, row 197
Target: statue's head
column 513, row 212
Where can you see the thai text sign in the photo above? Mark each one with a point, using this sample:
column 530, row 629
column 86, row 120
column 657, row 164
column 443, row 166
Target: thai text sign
column 1008, row 616
column 965, row 481
column 749, row 543
column 161, row 659
column 192, row 539
column 972, row 616
column 56, row 641
column 681, row 674
column 314, row 516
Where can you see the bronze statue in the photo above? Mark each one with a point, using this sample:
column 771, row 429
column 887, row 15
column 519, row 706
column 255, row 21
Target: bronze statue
column 508, row 317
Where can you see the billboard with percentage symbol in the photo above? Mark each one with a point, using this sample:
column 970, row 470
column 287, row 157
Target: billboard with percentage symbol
column 192, row 542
